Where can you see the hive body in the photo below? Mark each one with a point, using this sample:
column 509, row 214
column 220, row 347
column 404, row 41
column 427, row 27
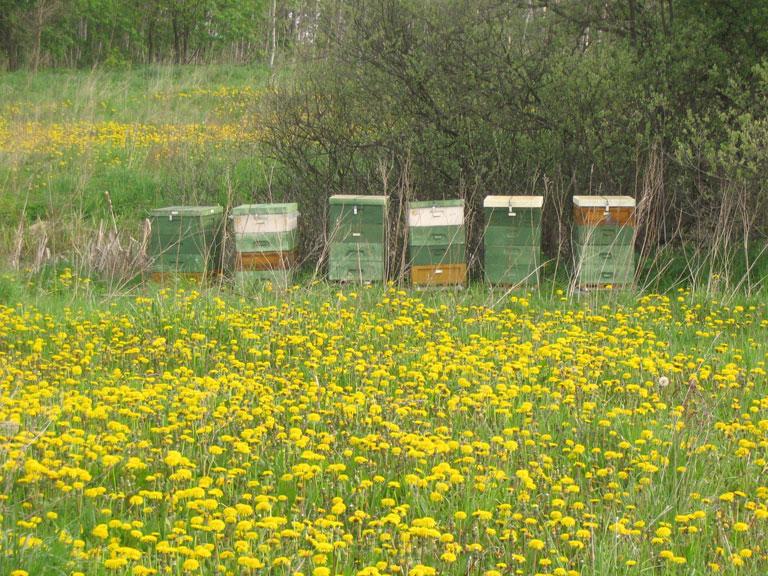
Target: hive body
column 265, row 242
column 603, row 240
column 512, row 239
column 185, row 240
column 357, row 238
column 437, row 243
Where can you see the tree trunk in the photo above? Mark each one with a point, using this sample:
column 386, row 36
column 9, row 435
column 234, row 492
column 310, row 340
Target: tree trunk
column 9, row 43
column 38, row 36
column 185, row 44
column 274, row 34
column 176, row 39
column 151, row 41
column 12, row 52
column 14, row 58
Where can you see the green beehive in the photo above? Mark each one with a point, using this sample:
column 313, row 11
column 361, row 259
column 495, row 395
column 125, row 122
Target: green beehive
column 436, row 234
column 512, row 239
column 265, row 227
column 603, row 240
column 186, row 239
column 357, row 235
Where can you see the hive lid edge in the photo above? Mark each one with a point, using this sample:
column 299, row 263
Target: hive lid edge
column 358, row 199
column 451, row 203
column 186, row 210
column 276, row 208
column 602, row 201
column 513, row 201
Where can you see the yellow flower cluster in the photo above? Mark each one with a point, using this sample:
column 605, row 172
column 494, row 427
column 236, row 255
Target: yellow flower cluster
column 227, row 98
column 60, row 138
column 59, row 133
column 379, row 434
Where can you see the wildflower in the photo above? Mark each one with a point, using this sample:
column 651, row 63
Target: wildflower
column 115, row 563
column 536, row 544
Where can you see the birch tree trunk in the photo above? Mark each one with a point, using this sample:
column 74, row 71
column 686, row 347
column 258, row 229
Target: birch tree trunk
column 274, row 35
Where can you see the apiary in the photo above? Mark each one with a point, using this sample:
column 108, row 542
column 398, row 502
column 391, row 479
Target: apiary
column 357, row 236
column 185, row 240
column 437, row 243
column 512, row 239
column 603, row 240
column 265, row 242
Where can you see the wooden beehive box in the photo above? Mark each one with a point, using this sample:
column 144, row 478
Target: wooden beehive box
column 265, row 242
column 357, row 238
column 265, row 227
column 603, row 240
column 437, row 242
column 186, row 239
column 512, row 239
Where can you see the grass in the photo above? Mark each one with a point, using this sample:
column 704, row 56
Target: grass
column 388, row 431
column 156, row 94
column 147, row 136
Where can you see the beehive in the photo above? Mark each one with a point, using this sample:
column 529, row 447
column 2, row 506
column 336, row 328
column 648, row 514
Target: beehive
column 357, row 237
column 185, row 240
column 437, row 243
column 265, row 242
column 603, row 240
column 512, row 239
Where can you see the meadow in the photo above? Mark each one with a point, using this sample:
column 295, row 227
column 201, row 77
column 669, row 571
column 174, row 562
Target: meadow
column 147, row 137
column 375, row 431
column 84, row 151
column 331, row 430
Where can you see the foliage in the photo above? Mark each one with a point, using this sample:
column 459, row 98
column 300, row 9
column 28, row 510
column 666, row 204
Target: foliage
column 435, row 99
column 120, row 33
column 408, row 98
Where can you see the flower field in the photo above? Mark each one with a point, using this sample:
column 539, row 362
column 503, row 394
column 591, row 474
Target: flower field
column 64, row 134
column 368, row 433
column 63, row 139
column 149, row 137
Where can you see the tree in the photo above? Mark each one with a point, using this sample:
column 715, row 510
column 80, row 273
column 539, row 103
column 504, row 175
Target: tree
column 16, row 22
column 475, row 97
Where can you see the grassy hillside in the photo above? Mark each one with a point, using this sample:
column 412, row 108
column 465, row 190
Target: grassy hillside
column 148, row 136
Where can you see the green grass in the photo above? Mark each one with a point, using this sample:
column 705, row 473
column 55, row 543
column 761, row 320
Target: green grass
column 465, row 362
column 63, row 185
column 156, row 94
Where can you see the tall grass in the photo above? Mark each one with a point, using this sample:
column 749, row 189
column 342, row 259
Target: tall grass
column 581, row 433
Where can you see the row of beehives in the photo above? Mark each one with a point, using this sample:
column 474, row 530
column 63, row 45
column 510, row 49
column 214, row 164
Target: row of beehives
column 187, row 240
